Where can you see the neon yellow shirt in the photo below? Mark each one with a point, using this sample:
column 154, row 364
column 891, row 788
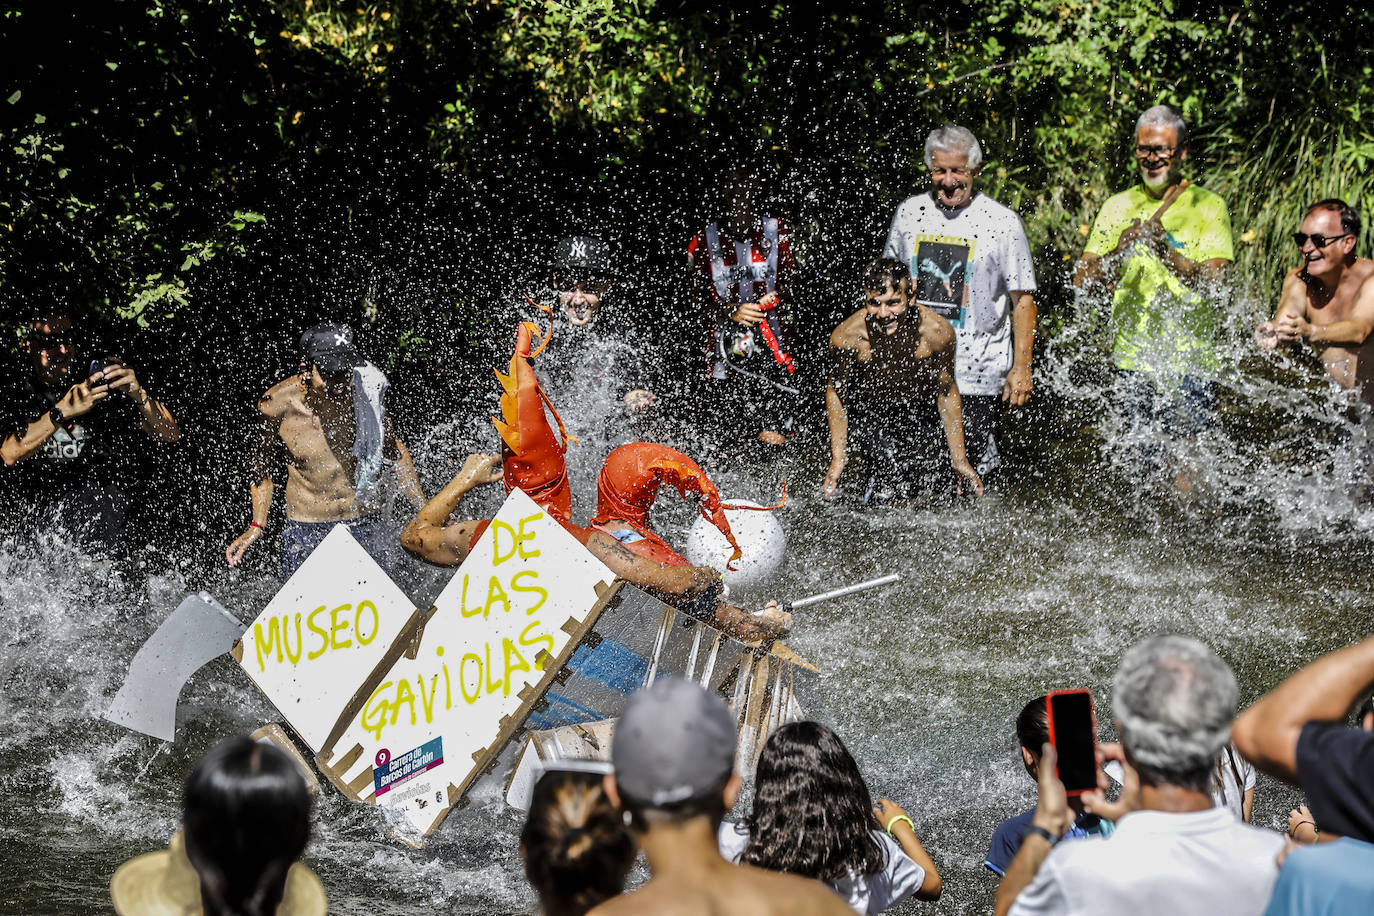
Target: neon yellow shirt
column 1161, row 324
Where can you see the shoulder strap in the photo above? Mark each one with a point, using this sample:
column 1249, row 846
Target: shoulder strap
column 720, row 275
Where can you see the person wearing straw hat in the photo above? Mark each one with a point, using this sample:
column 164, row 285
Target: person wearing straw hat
column 245, row 823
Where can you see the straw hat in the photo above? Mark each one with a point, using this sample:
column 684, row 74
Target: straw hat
column 163, row 883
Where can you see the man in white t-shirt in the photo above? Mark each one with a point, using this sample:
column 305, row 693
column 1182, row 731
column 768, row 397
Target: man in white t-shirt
column 971, row 264
column 1172, row 851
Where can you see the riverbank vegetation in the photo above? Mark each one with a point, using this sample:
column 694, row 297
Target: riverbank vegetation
column 211, row 176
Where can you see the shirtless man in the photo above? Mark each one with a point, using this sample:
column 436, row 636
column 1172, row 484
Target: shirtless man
column 1328, row 299
column 334, row 452
column 892, row 363
column 674, row 758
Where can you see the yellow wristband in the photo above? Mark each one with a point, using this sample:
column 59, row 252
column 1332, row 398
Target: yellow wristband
column 900, row 817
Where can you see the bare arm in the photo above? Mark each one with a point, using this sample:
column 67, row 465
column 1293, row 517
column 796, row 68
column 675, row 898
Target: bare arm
column 260, row 490
column 1017, row 387
column 887, row 811
column 952, row 418
column 837, row 419
column 79, row 399
column 405, row 474
column 1351, row 332
column 1267, row 732
column 429, row 536
column 1247, row 805
column 1095, row 269
column 679, row 585
column 158, row 421
column 1292, row 301
column 1053, row 815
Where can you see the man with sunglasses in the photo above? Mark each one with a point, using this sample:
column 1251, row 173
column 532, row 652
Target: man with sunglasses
column 1327, row 300
column 1161, row 250
column 69, row 431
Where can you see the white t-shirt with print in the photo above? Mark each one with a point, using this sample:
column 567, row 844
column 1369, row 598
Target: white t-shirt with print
column 865, row 894
column 1201, row 863
column 964, row 264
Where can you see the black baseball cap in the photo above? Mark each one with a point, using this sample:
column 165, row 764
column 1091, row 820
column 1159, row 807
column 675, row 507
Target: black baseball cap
column 583, row 256
column 329, row 345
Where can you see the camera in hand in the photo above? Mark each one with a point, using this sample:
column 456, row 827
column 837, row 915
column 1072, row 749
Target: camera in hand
column 98, row 365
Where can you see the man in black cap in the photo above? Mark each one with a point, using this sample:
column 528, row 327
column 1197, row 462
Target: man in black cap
column 68, row 429
column 336, row 431
column 615, row 365
column 582, row 274
column 674, row 757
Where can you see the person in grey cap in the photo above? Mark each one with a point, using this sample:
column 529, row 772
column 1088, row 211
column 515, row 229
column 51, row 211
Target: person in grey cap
column 674, row 779
column 332, row 420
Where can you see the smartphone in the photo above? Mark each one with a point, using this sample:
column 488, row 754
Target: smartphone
column 99, row 364
column 1073, row 732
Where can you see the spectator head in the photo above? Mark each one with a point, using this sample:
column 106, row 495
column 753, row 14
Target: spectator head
column 581, row 276
column 246, row 817
column 953, row 157
column 1161, row 146
column 245, row 823
column 813, row 815
column 1174, row 700
column 328, row 349
column 49, row 344
column 887, row 287
column 576, row 850
column 674, row 756
column 1033, row 732
column 1336, row 225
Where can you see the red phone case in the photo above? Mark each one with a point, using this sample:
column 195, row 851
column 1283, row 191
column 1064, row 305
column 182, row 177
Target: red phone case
column 1092, row 715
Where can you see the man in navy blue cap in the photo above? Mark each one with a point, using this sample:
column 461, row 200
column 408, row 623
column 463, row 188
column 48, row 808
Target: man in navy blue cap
column 332, row 420
column 674, row 757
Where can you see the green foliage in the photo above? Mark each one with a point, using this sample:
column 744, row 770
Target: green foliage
column 134, row 150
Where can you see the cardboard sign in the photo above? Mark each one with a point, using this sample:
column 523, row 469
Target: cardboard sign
column 330, row 625
column 457, row 689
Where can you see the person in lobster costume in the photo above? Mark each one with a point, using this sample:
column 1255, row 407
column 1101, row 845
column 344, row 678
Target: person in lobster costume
column 533, row 459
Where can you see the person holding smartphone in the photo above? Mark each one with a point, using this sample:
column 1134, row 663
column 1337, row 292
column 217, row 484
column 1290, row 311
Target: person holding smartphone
column 72, row 421
column 1033, row 733
column 1172, row 850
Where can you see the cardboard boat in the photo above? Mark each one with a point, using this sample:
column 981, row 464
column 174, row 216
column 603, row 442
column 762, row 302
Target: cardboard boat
column 408, row 708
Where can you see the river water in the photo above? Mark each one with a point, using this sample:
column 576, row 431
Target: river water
column 1040, row 585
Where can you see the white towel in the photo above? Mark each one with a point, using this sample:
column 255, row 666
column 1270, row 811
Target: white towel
column 369, row 415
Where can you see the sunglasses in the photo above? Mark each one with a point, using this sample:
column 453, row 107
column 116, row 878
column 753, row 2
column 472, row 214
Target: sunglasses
column 41, row 341
column 1319, row 240
column 589, row 283
column 1163, row 152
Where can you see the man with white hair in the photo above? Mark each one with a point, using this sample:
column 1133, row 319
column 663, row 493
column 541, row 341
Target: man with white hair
column 1172, row 851
column 1161, row 248
column 970, row 264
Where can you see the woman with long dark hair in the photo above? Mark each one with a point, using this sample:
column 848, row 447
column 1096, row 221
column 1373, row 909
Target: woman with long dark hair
column 813, row 816
column 576, row 849
column 245, row 823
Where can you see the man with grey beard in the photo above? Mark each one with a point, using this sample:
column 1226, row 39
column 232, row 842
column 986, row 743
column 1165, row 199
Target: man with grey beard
column 892, row 368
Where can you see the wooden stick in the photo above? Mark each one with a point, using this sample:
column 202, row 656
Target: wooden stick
column 1170, row 196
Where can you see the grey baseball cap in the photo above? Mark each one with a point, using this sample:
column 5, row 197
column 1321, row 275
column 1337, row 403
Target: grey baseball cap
column 674, row 743
column 329, row 345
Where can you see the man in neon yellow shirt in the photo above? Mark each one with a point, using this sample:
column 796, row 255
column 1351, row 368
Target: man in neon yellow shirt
column 1163, row 247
